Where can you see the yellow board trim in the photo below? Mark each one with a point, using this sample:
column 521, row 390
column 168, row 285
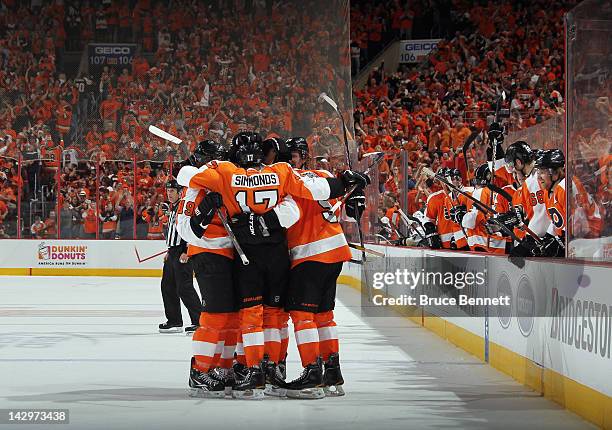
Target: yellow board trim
column 64, row 271
column 584, row 401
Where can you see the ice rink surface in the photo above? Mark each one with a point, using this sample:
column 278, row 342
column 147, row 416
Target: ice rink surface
column 91, row 345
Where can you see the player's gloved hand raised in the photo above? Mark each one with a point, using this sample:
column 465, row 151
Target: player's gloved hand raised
column 355, row 205
column 457, row 213
column 352, row 177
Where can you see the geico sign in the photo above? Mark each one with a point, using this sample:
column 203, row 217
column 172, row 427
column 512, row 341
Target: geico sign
column 420, row 46
column 112, row 50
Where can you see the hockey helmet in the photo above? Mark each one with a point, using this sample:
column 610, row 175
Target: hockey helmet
column 298, row 144
column 482, row 175
column 173, row 185
column 519, row 150
column 205, row 151
column 246, row 149
column 550, row 159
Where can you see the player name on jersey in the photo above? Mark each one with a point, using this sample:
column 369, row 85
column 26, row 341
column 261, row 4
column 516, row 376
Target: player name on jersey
column 255, row 181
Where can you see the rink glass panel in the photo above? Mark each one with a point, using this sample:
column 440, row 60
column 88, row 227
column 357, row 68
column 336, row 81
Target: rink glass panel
column 588, row 132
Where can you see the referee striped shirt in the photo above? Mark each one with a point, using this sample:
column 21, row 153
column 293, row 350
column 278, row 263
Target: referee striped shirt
column 172, row 237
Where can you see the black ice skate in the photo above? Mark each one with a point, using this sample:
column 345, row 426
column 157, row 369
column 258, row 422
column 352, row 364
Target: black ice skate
column 190, row 330
column 251, row 386
column 332, row 377
column 170, row 328
column 309, row 385
column 226, row 376
column 275, row 382
column 203, row 384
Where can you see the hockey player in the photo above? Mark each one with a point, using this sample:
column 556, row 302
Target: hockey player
column 317, row 249
column 474, row 220
column 250, row 193
column 529, row 195
column 440, row 229
column 211, row 253
column 550, row 167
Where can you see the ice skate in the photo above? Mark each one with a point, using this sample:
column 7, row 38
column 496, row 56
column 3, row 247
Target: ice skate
column 275, row 381
column 204, row 384
column 309, row 385
column 170, row 328
column 332, row 377
column 251, row 386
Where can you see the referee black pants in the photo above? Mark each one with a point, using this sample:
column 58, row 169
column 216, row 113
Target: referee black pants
column 177, row 285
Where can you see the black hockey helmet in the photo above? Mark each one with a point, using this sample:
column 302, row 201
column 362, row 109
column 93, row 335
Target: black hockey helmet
column 550, row 159
column 173, row 185
column 455, row 173
column 443, row 172
column 519, row 150
column 298, row 144
column 275, row 144
column 205, row 151
column 246, row 149
column 482, row 175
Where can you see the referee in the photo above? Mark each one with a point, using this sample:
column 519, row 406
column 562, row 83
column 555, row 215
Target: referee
column 177, row 277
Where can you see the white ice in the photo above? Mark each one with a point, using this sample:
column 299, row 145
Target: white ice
column 91, row 345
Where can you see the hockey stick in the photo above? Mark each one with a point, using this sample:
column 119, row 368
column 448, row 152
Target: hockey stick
column 387, row 222
column 163, row 134
column 406, row 220
column 167, row 136
column 380, row 236
column 378, row 156
column 477, row 203
column 466, row 145
column 148, row 258
column 362, row 249
column 505, row 194
column 324, row 98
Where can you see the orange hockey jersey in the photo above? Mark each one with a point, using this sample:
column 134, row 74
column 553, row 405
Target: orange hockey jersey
column 318, row 235
column 437, row 211
column 474, row 221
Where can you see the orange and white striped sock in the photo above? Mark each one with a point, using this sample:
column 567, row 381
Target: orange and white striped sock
column 230, row 338
column 328, row 334
column 274, row 319
column 284, row 332
column 251, row 326
column 207, row 339
column 240, row 357
column 306, row 336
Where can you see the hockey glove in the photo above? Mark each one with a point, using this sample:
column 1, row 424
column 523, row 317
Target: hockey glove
column 431, row 236
column 509, row 219
column 527, row 247
column 552, row 246
column 355, row 205
column 254, row 229
column 339, row 186
column 457, row 213
column 205, row 212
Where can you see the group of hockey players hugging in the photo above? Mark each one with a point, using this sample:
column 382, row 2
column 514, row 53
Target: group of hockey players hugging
column 279, row 259
column 516, row 204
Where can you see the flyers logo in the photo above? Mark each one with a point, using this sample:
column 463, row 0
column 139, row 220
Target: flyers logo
column 212, row 164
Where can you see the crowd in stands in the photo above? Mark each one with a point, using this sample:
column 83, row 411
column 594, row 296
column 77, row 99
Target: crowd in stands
column 428, row 111
column 209, row 69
